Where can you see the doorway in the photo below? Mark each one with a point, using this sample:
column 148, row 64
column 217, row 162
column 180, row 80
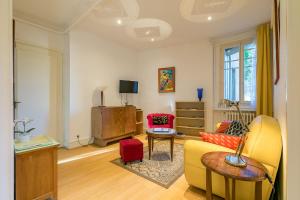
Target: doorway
column 38, row 89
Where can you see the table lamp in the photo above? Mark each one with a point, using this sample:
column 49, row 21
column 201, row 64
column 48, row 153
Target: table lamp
column 101, row 89
column 236, row 159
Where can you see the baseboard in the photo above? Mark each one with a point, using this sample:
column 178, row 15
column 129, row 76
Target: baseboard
column 75, row 144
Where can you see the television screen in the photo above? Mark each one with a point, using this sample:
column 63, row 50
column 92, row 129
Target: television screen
column 128, row 86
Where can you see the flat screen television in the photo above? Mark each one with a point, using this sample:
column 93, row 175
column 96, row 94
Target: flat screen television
column 128, row 86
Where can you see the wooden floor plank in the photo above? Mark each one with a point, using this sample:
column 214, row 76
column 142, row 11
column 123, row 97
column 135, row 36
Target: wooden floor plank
column 96, row 178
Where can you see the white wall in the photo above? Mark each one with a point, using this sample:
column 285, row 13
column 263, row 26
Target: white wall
column 33, row 35
column 280, row 100
column 287, row 98
column 46, row 38
column 293, row 99
column 95, row 62
column 6, row 116
column 194, row 68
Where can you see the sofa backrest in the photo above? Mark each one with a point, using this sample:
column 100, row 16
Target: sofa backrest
column 264, row 140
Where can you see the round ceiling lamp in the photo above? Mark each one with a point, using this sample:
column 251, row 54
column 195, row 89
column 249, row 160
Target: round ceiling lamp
column 149, row 29
column 204, row 11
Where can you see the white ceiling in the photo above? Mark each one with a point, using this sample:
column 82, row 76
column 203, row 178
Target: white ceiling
column 178, row 21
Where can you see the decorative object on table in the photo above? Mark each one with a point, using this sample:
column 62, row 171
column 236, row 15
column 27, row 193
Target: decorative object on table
column 166, row 79
column 254, row 172
column 152, row 134
column 159, row 169
column 21, row 133
column 101, row 90
column 236, row 159
column 160, row 120
column 131, row 150
column 200, row 93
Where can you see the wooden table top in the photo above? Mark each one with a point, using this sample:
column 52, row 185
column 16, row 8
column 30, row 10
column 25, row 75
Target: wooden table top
column 153, row 133
column 254, row 171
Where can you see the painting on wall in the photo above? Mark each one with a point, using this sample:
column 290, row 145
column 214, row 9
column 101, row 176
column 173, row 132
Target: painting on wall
column 166, row 79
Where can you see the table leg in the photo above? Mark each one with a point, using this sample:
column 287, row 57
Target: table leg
column 172, row 148
column 258, row 190
column 149, row 146
column 233, row 190
column 152, row 144
column 208, row 185
column 227, row 193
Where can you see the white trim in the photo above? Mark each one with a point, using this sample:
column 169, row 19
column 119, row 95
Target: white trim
column 6, row 102
column 42, row 27
column 233, row 38
column 219, row 45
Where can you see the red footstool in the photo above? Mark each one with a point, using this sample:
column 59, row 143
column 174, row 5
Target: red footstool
column 131, row 150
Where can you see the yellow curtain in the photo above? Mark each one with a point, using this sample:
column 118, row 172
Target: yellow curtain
column 264, row 83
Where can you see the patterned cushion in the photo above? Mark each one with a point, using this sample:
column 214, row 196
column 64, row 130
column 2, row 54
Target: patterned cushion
column 236, row 129
column 224, row 126
column 224, row 140
column 160, row 120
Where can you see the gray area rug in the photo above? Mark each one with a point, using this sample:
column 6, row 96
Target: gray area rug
column 159, row 169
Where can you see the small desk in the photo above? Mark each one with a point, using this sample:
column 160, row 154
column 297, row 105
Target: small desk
column 254, row 171
column 152, row 134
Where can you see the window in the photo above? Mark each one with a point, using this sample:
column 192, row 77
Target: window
column 239, row 65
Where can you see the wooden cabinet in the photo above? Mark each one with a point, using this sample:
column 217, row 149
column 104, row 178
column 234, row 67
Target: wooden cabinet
column 139, row 122
column 190, row 118
column 112, row 123
column 36, row 173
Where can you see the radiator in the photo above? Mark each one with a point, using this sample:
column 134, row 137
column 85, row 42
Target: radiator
column 221, row 115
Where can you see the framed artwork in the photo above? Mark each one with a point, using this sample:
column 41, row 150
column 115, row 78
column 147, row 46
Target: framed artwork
column 276, row 32
column 166, row 79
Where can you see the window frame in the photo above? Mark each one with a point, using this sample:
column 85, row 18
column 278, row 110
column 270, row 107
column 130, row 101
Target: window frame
column 241, row 44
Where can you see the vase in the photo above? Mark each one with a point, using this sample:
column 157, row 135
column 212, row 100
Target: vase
column 24, row 137
column 200, row 93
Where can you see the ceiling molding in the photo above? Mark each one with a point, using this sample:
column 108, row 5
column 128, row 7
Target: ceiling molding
column 43, row 27
column 78, row 19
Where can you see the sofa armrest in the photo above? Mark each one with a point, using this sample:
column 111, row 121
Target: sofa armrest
column 194, row 150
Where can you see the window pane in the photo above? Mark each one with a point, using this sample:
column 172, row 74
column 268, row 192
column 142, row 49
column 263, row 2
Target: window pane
column 250, row 72
column 232, row 73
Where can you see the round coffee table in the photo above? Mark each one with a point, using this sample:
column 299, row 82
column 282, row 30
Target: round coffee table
column 254, row 171
column 157, row 134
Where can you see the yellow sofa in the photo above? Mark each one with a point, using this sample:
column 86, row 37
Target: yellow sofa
column 263, row 144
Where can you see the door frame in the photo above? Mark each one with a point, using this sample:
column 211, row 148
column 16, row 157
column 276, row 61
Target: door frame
column 60, row 119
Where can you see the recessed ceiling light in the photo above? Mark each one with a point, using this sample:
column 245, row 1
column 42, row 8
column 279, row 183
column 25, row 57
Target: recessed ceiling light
column 147, row 32
column 152, row 39
column 119, row 21
column 209, row 18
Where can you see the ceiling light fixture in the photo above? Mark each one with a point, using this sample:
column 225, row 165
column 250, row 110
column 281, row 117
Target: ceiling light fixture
column 152, row 39
column 147, row 32
column 119, row 21
column 209, row 18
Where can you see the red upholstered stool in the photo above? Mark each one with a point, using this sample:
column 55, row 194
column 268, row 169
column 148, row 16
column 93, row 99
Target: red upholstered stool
column 131, row 150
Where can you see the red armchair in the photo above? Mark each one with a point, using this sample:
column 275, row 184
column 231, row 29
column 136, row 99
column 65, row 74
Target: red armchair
column 169, row 123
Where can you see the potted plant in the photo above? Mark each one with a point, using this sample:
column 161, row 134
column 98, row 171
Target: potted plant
column 21, row 132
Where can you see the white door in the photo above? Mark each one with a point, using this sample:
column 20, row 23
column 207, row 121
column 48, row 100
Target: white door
column 38, row 88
